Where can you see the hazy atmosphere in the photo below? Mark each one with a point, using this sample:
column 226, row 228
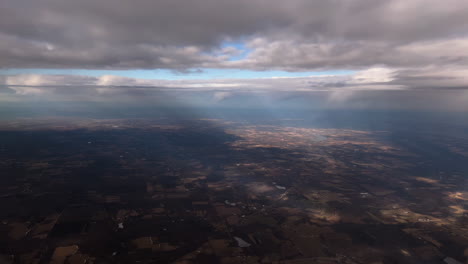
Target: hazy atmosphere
column 338, row 53
column 234, row 131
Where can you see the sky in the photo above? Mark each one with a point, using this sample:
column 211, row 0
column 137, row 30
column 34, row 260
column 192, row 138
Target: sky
column 382, row 50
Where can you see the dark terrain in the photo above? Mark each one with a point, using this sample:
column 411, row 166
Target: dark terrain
column 213, row 191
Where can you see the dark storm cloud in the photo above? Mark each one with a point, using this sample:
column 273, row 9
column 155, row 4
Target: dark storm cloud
column 182, row 34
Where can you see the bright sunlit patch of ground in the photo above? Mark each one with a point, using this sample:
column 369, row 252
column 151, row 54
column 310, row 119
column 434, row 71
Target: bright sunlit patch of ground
column 459, row 195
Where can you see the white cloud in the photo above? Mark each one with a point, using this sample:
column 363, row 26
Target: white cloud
column 221, row 96
column 30, row 80
column 374, row 75
column 341, row 87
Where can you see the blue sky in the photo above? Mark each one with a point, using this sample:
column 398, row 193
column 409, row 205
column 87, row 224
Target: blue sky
column 244, row 50
column 191, row 74
column 198, row 74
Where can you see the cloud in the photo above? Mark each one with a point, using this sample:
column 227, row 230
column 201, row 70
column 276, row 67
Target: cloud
column 377, row 88
column 22, row 90
column 45, row 80
column 221, row 96
column 377, row 78
column 293, row 35
column 433, row 77
column 374, row 75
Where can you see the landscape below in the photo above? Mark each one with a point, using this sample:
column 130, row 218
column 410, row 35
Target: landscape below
column 79, row 190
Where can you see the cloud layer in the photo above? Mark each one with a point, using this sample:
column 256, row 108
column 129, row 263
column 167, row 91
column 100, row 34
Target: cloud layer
column 374, row 88
column 181, row 34
column 370, row 79
column 404, row 53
